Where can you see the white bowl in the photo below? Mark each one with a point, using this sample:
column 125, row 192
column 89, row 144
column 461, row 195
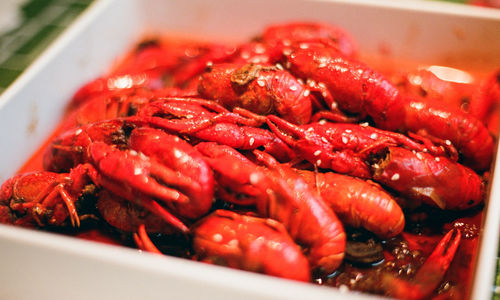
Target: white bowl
column 38, row 265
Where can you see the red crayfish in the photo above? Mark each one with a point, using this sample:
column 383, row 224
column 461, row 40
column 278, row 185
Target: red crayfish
column 283, row 155
column 280, row 193
column 359, row 89
column 244, row 242
column 45, row 198
column 146, row 172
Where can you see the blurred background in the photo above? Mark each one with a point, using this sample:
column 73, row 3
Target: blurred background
column 27, row 27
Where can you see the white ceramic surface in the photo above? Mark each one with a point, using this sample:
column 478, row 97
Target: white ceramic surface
column 36, row 265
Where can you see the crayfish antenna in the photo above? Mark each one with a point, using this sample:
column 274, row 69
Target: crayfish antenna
column 333, row 116
column 430, row 275
column 435, row 146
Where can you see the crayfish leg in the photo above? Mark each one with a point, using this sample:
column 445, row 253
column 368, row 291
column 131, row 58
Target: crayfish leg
column 288, row 132
column 157, row 209
column 333, row 116
column 147, row 203
column 143, row 241
column 68, row 201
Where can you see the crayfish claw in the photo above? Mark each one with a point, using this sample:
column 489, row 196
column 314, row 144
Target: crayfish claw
column 440, row 259
column 430, row 275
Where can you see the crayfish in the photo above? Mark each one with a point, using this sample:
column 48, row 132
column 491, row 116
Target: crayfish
column 283, row 155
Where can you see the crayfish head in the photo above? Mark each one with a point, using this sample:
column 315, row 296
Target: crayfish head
column 245, row 74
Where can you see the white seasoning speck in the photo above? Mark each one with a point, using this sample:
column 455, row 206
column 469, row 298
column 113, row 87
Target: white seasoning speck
column 437, row 159
column 324, row 140
column 322, row 122
column 318, row 162
column 252, row 140
column 365, row 124
column 345, row 140
column 348, row 130
column 419, row 156
column 78, row 131
column 334, row 105
column 261, row 83
column 137, row 171
column 177, row 154
column 254, row 178
column 317, row 152
column 259, row 49
column 217, row 237
column 233, row 243
column 373, row 136
column 133, row 152
column 306, row 93
column 447, row 142
column 293, row 88
column 395, row 177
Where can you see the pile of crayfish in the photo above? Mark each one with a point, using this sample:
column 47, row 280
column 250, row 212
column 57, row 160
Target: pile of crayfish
column 284, row 155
